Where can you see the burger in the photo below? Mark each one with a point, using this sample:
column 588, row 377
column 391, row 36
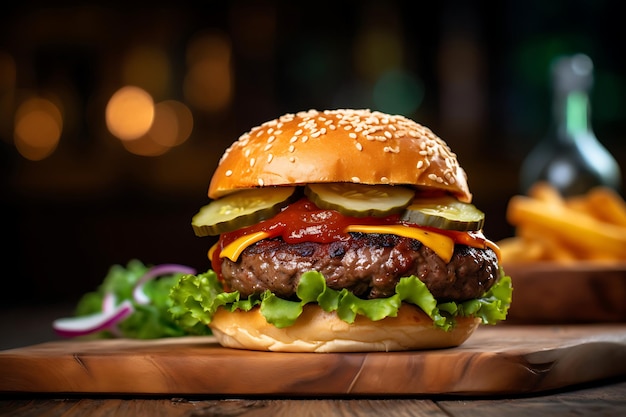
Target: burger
column 342, row 231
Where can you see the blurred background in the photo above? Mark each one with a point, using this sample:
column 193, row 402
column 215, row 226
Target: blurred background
column 113, row 116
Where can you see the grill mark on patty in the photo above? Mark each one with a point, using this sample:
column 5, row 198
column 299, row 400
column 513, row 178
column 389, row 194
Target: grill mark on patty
column 369, row 265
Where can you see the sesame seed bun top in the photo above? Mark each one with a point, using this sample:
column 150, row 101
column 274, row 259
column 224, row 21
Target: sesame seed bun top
column 360, row 146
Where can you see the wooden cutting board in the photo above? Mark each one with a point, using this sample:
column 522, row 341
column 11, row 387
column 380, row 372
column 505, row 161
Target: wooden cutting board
column 504, row 359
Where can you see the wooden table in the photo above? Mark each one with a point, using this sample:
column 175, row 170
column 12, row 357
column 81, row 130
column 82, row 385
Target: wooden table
column 607, row 398
column 558, row 370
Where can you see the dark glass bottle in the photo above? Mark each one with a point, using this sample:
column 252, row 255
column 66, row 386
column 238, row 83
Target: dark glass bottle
column 570, row 157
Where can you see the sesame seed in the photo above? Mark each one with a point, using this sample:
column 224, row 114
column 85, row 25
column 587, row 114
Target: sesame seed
column 229, row 173
column 261, row 182
column 361, row 125
column 436, row 178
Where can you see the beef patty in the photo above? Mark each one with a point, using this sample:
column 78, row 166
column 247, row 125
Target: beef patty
column 368, row 265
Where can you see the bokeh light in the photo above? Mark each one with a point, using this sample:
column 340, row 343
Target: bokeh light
column 8, row 77
column 144, row 146
column 171, row 127
column 147, row 67
column 37, row 128
column 129, row 113
column 398, row 92
column 377, row 52
column 208, row 85
column 173, row 123
column 8, row 72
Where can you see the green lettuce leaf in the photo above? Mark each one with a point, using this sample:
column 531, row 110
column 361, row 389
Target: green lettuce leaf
column 195, row 299
column 148, row 321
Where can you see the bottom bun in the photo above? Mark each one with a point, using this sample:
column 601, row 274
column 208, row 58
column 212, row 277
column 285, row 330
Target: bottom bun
column 319, row 331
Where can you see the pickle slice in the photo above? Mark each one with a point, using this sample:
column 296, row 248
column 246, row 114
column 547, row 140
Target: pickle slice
column 360, row 200
column 444, row 213
column 241, row 209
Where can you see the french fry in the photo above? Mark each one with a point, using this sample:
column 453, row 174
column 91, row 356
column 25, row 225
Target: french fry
column 602, row 203
column 518, row 250
column 581, row 204
column 583, row 232
column 545, row 192
column 552, row 247
column 607, row 205
column 550, row 227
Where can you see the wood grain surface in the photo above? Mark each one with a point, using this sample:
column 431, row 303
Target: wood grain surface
column 495, row 360
column 600, row 400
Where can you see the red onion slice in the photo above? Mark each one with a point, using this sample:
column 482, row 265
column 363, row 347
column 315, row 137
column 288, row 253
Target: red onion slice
column 84, row 325
column 108, row 305
column 108, row 302
column 154, row 272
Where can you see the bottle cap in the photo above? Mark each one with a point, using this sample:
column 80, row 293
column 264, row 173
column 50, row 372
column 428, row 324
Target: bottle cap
column 572, row 73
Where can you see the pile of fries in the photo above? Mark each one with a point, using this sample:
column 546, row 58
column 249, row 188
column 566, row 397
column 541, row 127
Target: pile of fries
column 549, row 227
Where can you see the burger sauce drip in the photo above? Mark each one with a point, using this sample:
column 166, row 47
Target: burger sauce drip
column 301, row 221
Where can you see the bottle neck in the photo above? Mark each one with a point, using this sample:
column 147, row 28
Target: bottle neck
column 572, row 115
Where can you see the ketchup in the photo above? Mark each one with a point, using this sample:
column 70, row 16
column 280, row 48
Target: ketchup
column 302, row 221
